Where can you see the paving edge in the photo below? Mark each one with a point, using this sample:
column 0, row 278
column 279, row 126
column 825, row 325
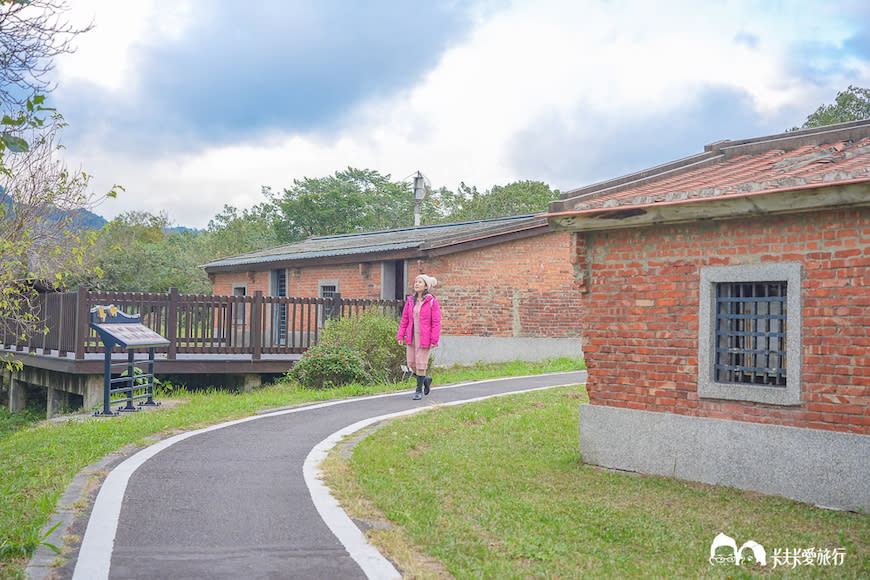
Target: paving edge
column 74, row 505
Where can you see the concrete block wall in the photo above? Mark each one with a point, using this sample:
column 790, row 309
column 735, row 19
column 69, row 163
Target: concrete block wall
column 640, row 315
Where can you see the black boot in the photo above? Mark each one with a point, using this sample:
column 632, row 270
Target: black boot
column 427, row 382
column 417, row 394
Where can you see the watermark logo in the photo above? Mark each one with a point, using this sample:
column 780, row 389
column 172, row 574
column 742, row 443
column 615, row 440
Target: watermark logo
column 724, row 550
column 732, row 554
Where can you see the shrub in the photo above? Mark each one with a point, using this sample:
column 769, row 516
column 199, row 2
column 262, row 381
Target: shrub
column 329, row 364
column 373, row 336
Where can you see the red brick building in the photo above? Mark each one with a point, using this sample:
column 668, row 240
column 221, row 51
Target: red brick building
column 726, row 315
column 504, row 284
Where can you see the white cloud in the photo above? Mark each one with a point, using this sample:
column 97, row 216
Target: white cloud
column 612, row 62
column 102, row 55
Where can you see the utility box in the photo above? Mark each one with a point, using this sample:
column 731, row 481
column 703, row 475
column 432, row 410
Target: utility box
column 116, row 328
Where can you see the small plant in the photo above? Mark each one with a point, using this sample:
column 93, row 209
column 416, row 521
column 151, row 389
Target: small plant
column 373, row 335
column 139, row 380
column 329, row 364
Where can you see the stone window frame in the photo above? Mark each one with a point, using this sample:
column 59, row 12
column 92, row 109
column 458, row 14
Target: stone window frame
column 708, row 388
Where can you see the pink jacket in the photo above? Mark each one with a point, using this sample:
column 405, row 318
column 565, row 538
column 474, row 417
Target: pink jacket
column 430, row 322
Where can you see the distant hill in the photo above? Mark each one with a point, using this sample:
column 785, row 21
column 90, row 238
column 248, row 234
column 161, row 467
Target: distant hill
column 88, row 220
column 82, row 218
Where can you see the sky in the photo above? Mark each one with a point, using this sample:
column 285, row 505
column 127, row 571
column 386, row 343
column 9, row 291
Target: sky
column 194, row 104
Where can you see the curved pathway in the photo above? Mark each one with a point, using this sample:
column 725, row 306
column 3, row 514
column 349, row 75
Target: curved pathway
column 243, row 499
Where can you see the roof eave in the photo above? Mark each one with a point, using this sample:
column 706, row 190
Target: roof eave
column 331, row 260
column 779, row 201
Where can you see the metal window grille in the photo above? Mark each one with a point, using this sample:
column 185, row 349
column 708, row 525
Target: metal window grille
column 327, row 291
column 751, row 325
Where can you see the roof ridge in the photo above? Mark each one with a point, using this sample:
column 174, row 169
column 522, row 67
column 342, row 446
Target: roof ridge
column 790, row 140
column 425, row 227
column 641, row 177
column 723, row 149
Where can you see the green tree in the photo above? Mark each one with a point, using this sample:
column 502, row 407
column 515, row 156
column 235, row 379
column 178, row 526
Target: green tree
column 853, row 104
column 354, row 200
column 140, row 252
column 231, row 233
column 517, row 198
column 40, row 238
column 39, row 197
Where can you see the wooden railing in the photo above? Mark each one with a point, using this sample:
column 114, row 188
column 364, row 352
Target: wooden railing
column 193, row 323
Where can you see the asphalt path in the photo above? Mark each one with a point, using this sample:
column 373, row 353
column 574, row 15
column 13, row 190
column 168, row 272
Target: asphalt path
column 244, row 499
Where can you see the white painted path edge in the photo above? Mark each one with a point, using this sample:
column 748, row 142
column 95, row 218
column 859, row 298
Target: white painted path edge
column 95, row 554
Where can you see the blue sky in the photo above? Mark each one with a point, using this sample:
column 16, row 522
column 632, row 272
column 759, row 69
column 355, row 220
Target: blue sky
column 191, row 105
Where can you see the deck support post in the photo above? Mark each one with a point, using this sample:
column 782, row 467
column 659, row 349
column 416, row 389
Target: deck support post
column 17, row 394
column 251, row 382
column 56, row 401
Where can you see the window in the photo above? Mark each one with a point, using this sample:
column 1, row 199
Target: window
column 239, row 307
column 328, row 289
column 749, row 344
column 751, row 333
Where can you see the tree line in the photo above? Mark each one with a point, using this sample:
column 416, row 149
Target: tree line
column 142, row 252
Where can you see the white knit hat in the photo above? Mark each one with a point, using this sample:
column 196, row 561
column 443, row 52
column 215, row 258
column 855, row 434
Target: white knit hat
column 429, row 280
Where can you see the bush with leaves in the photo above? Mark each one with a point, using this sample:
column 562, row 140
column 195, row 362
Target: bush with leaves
column 373, row 335
column 329, row 364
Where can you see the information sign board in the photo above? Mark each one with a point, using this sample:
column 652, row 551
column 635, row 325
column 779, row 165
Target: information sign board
column 132, row 335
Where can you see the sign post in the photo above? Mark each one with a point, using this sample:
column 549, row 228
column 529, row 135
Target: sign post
column 116, row 328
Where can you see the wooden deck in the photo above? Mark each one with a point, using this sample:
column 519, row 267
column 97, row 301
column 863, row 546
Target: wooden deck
column 182, row 364
column 246, row 336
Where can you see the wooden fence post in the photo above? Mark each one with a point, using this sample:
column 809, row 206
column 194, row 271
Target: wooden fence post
column 172, row 322
column 82, row 322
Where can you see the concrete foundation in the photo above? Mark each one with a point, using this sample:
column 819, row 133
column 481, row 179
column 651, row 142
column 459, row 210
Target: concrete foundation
column 251, row 382
column 825, row 468
column 17, row 395
column 57, row 402
column 466, row 350
column 63, row 389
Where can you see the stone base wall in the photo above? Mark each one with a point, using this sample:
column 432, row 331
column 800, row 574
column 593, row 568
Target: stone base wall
column 465, row 350
column 826, row 468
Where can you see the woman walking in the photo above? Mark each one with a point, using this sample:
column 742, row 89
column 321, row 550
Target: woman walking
column 420, row 330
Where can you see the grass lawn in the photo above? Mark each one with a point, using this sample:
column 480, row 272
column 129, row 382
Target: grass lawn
column 496, row 489
column 38, row 461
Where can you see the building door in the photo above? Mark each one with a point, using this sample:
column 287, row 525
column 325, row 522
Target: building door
column 393, row 286
column 280, row 313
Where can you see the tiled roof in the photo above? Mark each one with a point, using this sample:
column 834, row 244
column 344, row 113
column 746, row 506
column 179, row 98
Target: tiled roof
column 835, row 155
column 411, row 241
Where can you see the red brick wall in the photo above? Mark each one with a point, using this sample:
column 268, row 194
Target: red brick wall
column 524, row 288
column 223, row 283
column 640, row 325
column 353, row 281
column 521, row 288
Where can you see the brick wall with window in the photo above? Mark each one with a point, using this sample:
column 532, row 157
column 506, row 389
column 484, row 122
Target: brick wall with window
column 642, row 330
column 224, row 283
column 522, row 288
column 353, row 281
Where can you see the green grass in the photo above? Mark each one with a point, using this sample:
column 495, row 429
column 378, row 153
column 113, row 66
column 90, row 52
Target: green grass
column 38, row 462
column 497, row 489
